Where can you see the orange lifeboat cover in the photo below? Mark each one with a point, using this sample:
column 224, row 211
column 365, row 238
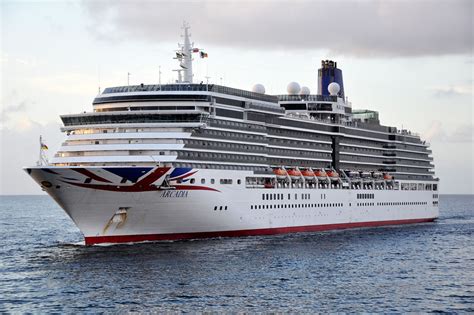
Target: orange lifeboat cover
column 279, row 171
column 307, row 173
column 320, row 173
column 294, row 173
column 333, row 174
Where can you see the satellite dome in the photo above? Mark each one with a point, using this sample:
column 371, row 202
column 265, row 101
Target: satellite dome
column 293, row 88
column 258, row 88
column 334, row 88
column 305, row 90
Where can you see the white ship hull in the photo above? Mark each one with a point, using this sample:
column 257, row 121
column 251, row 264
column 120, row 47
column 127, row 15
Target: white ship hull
column 113, row 205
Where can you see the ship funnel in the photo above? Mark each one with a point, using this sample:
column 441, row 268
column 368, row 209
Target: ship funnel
column 327, row 74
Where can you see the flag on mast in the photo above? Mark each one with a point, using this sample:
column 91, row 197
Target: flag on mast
column 43, row 146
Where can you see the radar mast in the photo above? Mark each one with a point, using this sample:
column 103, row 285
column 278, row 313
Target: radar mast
column 184, row 56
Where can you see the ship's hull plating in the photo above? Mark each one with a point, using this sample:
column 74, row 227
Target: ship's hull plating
column 132, row 204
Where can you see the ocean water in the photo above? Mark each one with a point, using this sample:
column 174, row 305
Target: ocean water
column 44, row 267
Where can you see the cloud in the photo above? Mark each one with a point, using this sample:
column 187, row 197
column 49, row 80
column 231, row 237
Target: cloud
column 12, row 109
column 358, row 28
column 452, row 91
column 463, row 133
column 434, row 131
column 8, row 60
column 69, row 83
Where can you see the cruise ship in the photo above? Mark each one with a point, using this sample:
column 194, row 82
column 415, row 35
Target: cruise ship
column 194, row 160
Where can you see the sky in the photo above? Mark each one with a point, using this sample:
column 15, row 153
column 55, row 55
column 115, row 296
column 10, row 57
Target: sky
column 410, row 60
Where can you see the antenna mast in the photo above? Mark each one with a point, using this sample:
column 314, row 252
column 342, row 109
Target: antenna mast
column 187, row 55
column 184, row 56
column 43, row 160
column 159, row 75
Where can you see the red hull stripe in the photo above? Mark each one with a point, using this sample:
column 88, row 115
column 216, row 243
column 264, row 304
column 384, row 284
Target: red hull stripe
column 91, row 240
column 191, row 187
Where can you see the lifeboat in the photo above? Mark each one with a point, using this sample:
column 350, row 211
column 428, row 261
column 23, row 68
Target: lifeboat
column 308, row 174
column 333, row 175
column 280, row 173
column 387, row 176
column 294, row 174
column 365, row 174
column 321, row 174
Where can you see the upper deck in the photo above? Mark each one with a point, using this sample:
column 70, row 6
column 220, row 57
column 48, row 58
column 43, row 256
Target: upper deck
column 161, row 98
column 142, row 91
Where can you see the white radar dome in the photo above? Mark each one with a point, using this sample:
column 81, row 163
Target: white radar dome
column 293, row 88
column 258, row 88
column 334, row 88
column 305, row 90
